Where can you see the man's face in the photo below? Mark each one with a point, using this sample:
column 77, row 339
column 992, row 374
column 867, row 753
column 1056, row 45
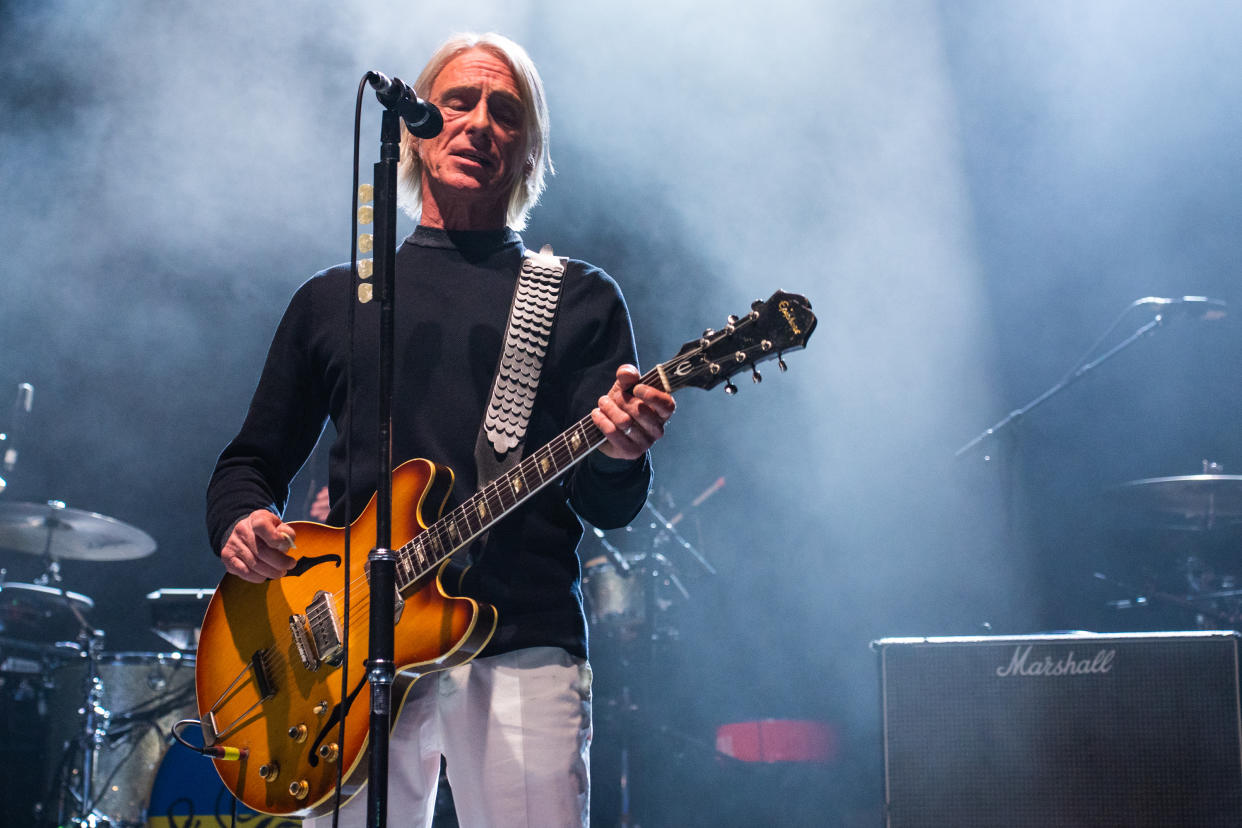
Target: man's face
column 480, row 150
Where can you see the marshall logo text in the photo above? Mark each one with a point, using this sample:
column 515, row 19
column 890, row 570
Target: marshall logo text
column 1023, row 665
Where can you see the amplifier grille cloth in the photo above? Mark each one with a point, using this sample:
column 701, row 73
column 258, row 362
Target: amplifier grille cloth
column 1146, row 735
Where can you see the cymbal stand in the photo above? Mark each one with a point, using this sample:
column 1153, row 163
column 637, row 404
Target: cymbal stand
column 641, row 646
column 667, row 526
column 95, row 714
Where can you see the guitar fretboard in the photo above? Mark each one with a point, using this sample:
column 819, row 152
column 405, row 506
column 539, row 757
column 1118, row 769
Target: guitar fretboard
column 500, row 497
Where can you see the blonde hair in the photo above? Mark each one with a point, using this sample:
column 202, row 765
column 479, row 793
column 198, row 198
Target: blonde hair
column 528, row 181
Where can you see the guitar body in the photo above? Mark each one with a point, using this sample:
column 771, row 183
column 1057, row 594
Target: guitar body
column 256, row 691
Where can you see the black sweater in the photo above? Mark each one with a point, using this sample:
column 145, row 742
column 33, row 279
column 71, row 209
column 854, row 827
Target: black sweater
column 452, row 297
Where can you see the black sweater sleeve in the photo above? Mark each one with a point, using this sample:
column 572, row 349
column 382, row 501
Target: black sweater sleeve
column 605, row 492
column 286, row 415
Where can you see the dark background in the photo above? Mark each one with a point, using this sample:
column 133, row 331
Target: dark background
column 969, row 193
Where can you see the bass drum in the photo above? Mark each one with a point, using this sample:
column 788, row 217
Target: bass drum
column 187, row 792
column 141, row 696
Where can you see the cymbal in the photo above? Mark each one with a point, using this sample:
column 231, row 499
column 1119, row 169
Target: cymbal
column 1196, row 500
column 73, row 533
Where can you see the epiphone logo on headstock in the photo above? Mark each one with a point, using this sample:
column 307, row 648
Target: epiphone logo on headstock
column 1022, row 665
column 682, row 368
column 784, row 308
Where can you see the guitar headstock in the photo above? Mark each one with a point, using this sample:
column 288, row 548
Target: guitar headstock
column 781, row 324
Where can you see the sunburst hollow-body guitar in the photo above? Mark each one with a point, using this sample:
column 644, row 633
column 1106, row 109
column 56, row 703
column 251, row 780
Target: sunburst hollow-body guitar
column 270, row 655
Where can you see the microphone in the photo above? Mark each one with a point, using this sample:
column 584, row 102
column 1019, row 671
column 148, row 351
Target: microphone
column 21, row 411
column 422, row 118
column 1197, row 307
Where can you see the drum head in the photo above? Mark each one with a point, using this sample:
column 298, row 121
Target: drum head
column 40, row 613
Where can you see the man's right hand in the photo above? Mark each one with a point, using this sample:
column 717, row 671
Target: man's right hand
column 255, row 550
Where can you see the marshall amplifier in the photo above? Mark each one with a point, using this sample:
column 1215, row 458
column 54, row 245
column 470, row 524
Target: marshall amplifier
column 1126, row 729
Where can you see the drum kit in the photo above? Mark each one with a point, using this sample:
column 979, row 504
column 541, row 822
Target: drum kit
column 87, row 728
column 1194, row 520
column 634, row 588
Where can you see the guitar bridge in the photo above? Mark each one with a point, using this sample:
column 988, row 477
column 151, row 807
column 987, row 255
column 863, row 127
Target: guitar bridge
column 302, row 640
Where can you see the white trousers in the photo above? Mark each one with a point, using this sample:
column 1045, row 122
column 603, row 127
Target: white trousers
column 515, row 732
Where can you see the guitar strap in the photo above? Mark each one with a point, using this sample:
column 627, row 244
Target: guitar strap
column 535, row 300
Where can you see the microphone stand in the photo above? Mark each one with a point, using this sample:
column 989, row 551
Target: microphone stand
column 1074, row 377
column 382, row 561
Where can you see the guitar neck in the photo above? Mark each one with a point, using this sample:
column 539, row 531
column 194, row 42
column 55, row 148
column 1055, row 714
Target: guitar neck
column 501, row 496
column 784, row 322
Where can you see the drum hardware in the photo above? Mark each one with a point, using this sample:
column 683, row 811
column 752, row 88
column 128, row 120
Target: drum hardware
column 1208, row 614
column 630, row 595
column 132, row 698
column 668, row 531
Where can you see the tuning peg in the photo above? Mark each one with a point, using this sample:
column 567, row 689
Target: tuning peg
column 780, row 362
column 755, row 376
column 730, row 388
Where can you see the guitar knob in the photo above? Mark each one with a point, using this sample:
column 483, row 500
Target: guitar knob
column 270, row 771
column 320, row 708
column 780, row 362
column 730, row 388
column 299, row 789
column 755, row 376
column 329, row 752
column 298, row 733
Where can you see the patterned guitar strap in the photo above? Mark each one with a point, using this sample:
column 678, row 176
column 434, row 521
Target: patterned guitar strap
column 503, row 433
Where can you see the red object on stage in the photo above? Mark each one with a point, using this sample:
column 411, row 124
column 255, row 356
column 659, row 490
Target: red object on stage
column 777, row 740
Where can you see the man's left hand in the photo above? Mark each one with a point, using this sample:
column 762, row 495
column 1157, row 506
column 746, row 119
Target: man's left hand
column 632, row 415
